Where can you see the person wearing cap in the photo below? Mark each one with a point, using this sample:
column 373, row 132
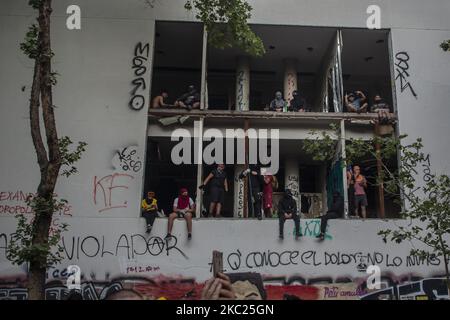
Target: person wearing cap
column 183, row 207
column 356, row 102
column 336, row 211
column 189, row 100
column 287, row 209
column 149, row 207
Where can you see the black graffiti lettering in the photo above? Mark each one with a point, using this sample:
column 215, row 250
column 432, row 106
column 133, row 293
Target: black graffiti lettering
column 139, row 50
column 103, row 248
column 234, row 260
column 127, row 245
column 83, row 248
column 155, row 245
column 402, row 67
column 138, row 84
column 137, row 102
column 133, row 250
column 174, row 247
column 396, row 261
column 287, row 259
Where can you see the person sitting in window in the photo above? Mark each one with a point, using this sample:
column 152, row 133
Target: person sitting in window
column 381, row 108
column 183, row 207
column 287, row 209
column 160, row 100
column 356, row 102
column 189, row 100
column 297, row 103
column 278, row 104
column 149, row 210
column 219, row 185
column 336, row 211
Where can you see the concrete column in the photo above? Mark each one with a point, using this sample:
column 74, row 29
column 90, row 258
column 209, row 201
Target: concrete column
column 290, row 78
column 239, row 192
column 292, row 179
column 243, row 84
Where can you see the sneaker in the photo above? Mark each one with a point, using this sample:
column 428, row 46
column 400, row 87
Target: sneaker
column 189, row 236
column 149, row 229
column 168, row 236
column 297, row 236
column 281, row 236
column 321, row 237
column 259, row 217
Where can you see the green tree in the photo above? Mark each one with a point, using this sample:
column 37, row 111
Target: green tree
column 226, row 24
column 427, row 204
column 34, row 241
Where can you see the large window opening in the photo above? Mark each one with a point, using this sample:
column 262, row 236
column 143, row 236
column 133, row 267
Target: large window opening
column 293, row 59
column 366, row 65
column 177, row 60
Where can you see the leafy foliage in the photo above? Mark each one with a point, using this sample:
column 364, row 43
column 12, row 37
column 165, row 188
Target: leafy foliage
column 68, row 157
column 226, row 23
column 428, row 202
column 21, row 248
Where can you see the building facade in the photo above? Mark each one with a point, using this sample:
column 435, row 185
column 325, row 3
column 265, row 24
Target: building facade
column 126, row 52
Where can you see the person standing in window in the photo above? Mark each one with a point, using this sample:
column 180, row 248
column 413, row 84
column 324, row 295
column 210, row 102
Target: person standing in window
column 359, row 183
column 218, row 186
column 270, row 183
column 183, row 208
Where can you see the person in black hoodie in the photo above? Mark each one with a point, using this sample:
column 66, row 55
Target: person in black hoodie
column 256, row 186
column 298, row 103
column 336, row 211
column 287, row 209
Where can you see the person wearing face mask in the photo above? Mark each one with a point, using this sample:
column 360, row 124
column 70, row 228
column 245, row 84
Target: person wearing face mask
column 297, row 103
column 287, row 209
column 189, row 100
column 183, row 207
column 336, row 211
column 218, row 186
column 278, row 103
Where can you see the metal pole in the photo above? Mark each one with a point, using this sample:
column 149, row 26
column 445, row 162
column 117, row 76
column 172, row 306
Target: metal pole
column 344, row 169
column 381, row 213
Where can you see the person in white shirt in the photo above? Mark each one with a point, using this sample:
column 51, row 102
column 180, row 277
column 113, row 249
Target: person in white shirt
column 183, row 207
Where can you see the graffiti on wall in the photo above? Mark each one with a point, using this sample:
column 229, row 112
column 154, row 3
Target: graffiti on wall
column 402, row 70
column 240, row 90
column 127, row 159
column 15, row 202
column 277, row 288
column 139, row 83
column 107, row 190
